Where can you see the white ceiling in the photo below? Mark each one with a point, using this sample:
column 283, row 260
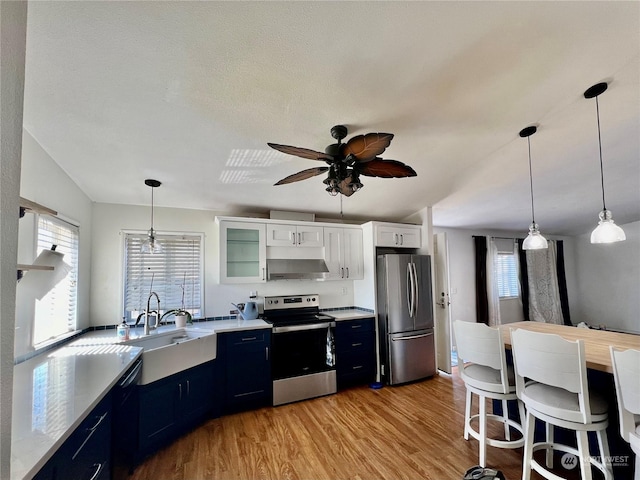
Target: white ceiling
column 190, row 94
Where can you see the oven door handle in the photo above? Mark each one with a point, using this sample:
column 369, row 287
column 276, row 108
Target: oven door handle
column 307, row 326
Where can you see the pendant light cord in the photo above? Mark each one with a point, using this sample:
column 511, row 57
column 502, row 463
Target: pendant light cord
column 533, row 217
column 152, row 188
column 604, row 207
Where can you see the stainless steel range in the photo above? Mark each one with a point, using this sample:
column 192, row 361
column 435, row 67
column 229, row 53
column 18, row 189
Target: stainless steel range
column 303, row 356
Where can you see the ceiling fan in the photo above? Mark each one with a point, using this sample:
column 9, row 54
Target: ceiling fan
column 347, row 161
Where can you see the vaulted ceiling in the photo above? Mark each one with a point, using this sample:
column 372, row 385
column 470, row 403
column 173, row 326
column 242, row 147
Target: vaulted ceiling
column 190, row 93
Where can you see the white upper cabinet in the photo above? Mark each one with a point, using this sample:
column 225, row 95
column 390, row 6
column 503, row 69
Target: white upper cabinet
column 243, row 252
column 282, row 235
column 343, row 253
column 398, row 235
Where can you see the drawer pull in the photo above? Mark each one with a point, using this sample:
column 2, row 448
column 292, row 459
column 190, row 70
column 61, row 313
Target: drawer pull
column 357, row 367
column 356, row 326
column 98, row 467
column 90, row 432
column 356, row 344
column 249, row 339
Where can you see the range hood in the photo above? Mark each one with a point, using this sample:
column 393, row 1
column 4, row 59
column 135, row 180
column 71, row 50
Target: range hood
column 296, row 269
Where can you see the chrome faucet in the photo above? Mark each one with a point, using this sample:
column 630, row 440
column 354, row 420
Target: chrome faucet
column 146, row 313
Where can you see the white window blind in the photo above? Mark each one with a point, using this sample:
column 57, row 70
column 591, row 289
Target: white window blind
column 507, row 275
column 178, row 265
column 56, row 313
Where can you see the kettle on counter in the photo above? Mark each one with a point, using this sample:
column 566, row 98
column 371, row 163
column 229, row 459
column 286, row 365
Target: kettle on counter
column 247, row 311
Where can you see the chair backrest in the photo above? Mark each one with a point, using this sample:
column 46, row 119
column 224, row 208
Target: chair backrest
column 551, row 360
column 480, row 344
column 626, row 374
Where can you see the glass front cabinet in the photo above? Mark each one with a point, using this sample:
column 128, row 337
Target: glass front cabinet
column 243, row 252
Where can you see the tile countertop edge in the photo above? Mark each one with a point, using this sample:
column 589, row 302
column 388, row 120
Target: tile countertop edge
column 31, row 450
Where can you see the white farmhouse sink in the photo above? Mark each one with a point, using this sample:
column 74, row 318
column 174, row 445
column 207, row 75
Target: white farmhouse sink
column 166, row 353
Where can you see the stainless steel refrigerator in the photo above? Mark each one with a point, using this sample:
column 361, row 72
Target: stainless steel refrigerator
column 405, row 318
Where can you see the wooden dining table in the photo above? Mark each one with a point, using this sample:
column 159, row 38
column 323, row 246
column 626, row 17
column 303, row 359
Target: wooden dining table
column 596, row 342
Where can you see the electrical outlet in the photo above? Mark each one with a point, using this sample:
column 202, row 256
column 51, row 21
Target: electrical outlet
column 344, row 290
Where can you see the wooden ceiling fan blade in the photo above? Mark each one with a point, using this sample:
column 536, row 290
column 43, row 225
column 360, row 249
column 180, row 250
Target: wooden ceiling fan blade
column 379, row 167
column 302, row 152
column 366, row 147
column 302, row 175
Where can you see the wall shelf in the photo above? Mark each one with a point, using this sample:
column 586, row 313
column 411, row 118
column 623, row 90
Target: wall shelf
column 33, row 207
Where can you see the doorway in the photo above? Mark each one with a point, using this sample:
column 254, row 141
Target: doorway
column 442, row 303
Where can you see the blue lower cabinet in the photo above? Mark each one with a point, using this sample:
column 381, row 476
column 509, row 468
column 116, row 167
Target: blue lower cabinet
column 246, row 370
column 355, row 352
column 86, row 454
column 169, row 407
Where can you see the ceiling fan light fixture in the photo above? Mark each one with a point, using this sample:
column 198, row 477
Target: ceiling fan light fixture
column 607, row 231
column 151, row 244
column 535, row 240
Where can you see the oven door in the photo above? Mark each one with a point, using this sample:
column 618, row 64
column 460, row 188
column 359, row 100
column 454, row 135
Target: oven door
column 302, row 350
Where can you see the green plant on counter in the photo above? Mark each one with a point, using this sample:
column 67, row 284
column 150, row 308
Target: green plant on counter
column 179, row 311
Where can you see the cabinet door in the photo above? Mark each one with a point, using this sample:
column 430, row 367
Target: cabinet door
column 353, row 260
column 281, row 235
column 243, row 252
column 158, row 413
column 196, row 393
column 398, row 236
column 333, row 241
column 310, row 236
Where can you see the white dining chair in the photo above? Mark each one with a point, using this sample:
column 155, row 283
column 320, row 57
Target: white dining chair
column 551, row 380
column 483, row 368
column 626, row 374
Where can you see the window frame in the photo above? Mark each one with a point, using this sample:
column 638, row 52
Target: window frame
column 130, row 316
column 72, row 323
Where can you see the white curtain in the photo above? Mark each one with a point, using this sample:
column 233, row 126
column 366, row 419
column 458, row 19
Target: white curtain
column 492, row 283
column 544, row 296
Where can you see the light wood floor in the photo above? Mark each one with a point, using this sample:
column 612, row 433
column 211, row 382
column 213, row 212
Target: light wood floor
column 407, row 432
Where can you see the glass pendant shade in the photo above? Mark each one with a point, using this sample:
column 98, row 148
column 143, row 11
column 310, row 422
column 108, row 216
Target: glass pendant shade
column 607, row 231
column 534, row 241
column 151, row 245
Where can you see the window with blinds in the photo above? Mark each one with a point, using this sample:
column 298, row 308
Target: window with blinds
column 56, row 312
column 175, row 274
column 507, row 275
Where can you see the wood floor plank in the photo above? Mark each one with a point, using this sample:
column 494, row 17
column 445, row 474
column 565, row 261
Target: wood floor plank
column 408, row 432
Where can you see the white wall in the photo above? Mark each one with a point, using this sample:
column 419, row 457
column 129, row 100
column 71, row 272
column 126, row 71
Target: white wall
column 608, row 281
column 44, row 182
column 462, row 274
column 107, row 263
column 13, row 27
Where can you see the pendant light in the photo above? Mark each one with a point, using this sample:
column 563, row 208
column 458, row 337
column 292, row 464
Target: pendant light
column 534, row 241
column 151, row 245
column 607, row 231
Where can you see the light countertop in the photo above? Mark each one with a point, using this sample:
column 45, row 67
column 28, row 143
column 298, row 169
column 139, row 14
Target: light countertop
column 54, row 392
column 352, row 314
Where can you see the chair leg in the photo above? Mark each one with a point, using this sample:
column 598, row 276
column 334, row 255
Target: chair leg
column 603, row 445
column 636, row 475
column 505, row 415
column 528, row 446
column 467, row 415
column 583, row 453
column 483, row 431
column 523, row 418
column 550, row 440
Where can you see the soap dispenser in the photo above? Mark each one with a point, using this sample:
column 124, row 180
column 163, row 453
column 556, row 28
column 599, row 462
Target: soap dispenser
column 123, row 330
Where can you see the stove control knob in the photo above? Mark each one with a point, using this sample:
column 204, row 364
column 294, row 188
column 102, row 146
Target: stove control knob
column 313, row 299
column 275, row 301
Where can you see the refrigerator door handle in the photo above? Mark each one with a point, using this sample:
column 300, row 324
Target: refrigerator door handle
column 416, row 296
column 412, row 337
column 409, row 290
